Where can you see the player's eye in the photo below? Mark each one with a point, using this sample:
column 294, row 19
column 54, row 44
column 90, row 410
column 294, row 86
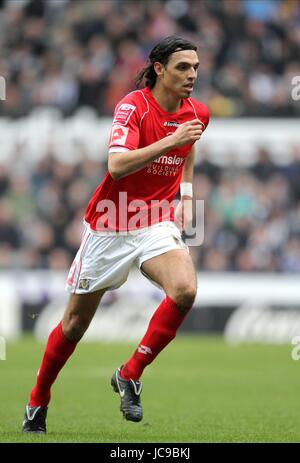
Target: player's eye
column 182, row 67
column 185, row 67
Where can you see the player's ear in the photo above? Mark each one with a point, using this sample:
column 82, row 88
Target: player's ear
column 158, row 68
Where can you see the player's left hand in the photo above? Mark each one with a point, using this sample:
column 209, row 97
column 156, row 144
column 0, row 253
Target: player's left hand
column 184, row 214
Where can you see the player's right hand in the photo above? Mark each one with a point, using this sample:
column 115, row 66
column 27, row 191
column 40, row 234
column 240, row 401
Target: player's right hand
column 188, row 132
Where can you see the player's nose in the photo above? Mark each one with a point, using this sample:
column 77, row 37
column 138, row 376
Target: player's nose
column 192, row 74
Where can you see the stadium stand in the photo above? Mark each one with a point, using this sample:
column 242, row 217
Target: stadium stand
column 66, row 60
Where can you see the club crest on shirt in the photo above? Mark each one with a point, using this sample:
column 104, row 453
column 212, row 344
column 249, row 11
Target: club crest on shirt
column 123, row 114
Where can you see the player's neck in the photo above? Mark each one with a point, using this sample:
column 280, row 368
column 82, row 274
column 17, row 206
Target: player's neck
column 166, row 100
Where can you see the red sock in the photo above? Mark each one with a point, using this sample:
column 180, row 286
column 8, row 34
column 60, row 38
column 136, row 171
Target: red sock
column 57, row 352
column 161, row 330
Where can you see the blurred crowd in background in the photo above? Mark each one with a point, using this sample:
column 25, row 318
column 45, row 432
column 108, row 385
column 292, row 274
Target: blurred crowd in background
column 69, row 53
column 252, row 216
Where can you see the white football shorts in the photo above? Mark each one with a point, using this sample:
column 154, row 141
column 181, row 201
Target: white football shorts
column 104, row 261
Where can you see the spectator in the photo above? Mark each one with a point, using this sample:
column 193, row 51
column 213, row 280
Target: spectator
column 252, row 216
column 62, row 53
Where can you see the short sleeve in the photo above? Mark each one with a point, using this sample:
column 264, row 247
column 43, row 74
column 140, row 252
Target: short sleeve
column 203, row 115
column 125, row 131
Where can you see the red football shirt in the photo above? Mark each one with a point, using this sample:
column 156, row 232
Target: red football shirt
column 141, row 199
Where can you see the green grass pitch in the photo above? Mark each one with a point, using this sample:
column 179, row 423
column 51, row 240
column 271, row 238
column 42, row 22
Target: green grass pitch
column 199, row 389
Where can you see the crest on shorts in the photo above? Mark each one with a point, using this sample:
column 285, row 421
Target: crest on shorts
column 84, row 284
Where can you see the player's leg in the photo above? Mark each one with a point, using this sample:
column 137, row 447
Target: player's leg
column 175, row 273
column 61, row 344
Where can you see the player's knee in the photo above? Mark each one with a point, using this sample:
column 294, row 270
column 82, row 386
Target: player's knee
column 75, row 328
column 184, row 295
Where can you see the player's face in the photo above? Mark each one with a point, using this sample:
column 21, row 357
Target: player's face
column 180, row 73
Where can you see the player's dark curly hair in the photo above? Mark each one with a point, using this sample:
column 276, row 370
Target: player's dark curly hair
column 161, row 53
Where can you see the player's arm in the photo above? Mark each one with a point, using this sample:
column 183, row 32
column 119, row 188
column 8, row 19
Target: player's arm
column 184, row 210
column 188, row 168
column 122, row 164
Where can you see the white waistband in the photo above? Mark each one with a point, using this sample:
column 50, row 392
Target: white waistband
column 167, row 223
